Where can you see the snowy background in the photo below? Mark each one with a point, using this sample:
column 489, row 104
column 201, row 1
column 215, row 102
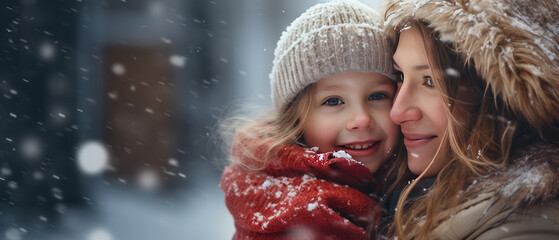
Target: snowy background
column 108, row 110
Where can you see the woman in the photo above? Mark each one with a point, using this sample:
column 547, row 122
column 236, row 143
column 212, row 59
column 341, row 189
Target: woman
column 479, row 111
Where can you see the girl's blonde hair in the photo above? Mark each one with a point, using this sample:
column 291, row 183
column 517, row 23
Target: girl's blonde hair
column 277, row 129
column 476, row 144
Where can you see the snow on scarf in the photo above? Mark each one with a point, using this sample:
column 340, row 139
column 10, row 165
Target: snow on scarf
column 301, row 195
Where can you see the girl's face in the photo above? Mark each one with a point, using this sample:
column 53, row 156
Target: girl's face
column 418, row 107
column 350, row 112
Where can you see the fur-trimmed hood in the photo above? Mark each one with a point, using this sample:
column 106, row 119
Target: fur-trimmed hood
column 514, row 45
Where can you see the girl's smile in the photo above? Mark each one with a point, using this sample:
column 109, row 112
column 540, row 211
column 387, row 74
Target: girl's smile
column 351, row 112
column 361, row 149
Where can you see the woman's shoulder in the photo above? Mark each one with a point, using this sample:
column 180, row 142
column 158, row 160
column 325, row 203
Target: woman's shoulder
column 530, row 178
column 483, row 218
column 521, row 199
column 535, row 222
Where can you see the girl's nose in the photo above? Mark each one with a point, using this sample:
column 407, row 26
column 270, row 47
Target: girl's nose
column 403, row 108
column 361, row 119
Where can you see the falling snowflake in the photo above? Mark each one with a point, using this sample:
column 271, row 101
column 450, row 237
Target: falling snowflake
column 452, row 72
column 119, row 69
column 99, row 234
column 166, row 40
column 156, row 8
column 92, row 158
column 13, row 234
column 38, row 176
column 173, row 162
column 47, row 51
column 177, row 61
column 113, row 95
column 148, row 180
column 30, row 148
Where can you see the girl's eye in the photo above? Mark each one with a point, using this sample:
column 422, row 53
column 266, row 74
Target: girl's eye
column 429, row 81
column 333, row 101
column 377, row 96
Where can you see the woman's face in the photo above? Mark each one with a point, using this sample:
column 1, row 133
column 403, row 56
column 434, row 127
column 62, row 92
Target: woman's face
column 418, row 107
column 351, row 112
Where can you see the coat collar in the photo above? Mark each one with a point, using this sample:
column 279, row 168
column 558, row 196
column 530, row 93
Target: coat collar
column 529, row 181
column 530, row 178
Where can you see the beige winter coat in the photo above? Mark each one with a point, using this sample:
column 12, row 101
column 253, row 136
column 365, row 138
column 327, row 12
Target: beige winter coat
column 538, row 222
column 517, row 203
column 514, row 45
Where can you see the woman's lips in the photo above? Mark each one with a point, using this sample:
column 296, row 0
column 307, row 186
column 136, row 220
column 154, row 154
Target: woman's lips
column 416, row 140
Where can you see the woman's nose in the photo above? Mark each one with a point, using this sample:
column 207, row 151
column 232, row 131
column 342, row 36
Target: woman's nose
column 361, row 119
column 403, row 108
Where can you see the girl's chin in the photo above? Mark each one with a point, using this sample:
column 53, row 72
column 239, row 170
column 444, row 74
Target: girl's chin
column 371, row 164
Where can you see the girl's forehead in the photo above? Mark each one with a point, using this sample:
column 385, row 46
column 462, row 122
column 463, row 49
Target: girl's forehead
column 342, row 80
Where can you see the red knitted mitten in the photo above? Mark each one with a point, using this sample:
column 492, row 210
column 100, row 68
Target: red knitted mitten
column 294, row 207
column 337, row 166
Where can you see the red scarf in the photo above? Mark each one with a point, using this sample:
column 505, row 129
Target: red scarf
column 301, row 195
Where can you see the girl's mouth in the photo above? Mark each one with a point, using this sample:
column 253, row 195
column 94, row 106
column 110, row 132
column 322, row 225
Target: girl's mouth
column 361, row 149
column 359, row 146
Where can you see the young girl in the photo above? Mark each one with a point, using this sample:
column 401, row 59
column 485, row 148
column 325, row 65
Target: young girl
column 332, row 88
column 479, row 113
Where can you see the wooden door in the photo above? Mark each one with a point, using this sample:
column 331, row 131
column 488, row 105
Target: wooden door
column 139, row 113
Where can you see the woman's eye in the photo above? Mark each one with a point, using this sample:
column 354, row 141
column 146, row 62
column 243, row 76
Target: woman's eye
column 399, row 76
column 429, row 81
column 334, row 101
column 377, row 96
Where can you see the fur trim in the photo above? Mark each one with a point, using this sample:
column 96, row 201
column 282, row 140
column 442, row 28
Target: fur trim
column 531, row 178
column 514, row 45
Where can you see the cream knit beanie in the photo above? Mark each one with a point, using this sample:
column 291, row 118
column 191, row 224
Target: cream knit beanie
column 329, row 38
